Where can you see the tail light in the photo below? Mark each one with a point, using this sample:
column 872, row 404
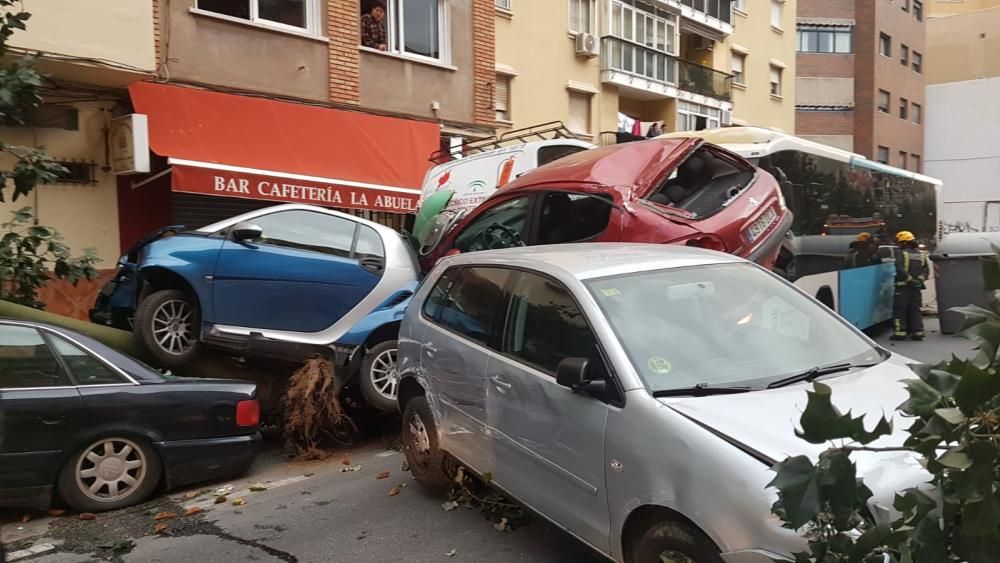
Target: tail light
column 708, row 242
column 248, row 413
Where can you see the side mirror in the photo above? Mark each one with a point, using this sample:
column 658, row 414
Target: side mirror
column 573, row 373
column 245, row 231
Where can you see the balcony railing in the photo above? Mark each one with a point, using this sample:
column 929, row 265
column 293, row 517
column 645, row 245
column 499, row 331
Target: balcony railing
column 705, row 80
column 638, row 60
column 721, row 10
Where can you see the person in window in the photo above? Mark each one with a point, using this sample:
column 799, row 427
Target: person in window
column 863, row 252
column 373, row 27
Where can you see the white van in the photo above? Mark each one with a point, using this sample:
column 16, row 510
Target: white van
column 486, row 166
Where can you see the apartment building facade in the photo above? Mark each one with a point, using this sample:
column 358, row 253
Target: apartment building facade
column 610, row 69
column 963, row 117
column 861, row 77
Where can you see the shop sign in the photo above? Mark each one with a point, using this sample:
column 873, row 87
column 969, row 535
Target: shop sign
column 226, row 183
column 129, row 140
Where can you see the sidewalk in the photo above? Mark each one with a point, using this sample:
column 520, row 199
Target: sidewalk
column 933, row 349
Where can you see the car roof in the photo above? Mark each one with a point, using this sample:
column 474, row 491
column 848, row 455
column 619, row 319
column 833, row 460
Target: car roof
column 626, row 165
column 250, row 215
column 591, row 260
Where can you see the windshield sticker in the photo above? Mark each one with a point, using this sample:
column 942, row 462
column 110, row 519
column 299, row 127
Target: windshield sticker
column 659, row 365
column 611, row 292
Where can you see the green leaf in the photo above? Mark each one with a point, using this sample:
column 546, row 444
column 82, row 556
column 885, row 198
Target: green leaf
column 798, row 490
column 975, row 388
column 937, row 377
column 981, row 518
column 987, row 336
column 951, row 415
column 955, row 460
column 838, row 480
column 991, row 270
column 821, row 421
column 923, row 398
column 873, row 538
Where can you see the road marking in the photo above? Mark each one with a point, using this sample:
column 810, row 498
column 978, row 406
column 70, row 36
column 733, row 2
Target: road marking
column 31, row 551
column 243, row 493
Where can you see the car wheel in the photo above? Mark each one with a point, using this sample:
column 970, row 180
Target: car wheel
column 380, row 376
column 420, row 445
column 110, row 473
column 674, row 542
column 167, row 324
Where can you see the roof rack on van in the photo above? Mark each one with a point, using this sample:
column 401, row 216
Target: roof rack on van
column 540, row 132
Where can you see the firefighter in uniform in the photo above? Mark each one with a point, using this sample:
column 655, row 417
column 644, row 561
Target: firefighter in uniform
column 911, row 273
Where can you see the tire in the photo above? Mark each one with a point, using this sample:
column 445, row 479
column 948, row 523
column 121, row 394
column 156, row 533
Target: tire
column 128, row 459
column 671, row 541
column 172, row 317
column 423, row 454
column 379, row 376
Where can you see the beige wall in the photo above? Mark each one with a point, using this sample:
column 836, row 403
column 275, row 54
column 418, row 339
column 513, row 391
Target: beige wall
column 535, row 41
column 963, row 47
column 939, row 8
column 86, row 215
column 754, row 104
column 395, row 83
column 211, row 50
column 114, row 30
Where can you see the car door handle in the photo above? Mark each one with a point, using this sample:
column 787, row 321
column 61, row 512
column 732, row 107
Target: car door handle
column 51, row 419
column 373, row 265
column 500, row 384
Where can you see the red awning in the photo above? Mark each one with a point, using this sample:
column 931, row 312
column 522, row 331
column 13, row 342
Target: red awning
column 256, row 148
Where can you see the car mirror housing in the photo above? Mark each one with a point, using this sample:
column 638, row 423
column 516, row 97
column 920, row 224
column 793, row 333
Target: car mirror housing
column 245, row 231
column 573, row 373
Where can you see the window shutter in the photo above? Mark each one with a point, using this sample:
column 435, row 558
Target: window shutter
column 579, row 112
column 501, row 97
column 579, row 16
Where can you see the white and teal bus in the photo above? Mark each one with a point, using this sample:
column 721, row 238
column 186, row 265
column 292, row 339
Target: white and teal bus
column 836, row 195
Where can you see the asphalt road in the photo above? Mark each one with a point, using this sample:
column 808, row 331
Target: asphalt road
column 328, row 516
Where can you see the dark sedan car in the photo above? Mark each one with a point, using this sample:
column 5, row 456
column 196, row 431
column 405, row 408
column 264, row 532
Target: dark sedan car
column 104, row 430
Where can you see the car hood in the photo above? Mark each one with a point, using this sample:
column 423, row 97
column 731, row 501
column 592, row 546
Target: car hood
column 765, row 421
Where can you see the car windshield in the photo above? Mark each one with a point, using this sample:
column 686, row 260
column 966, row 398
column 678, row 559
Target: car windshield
column 722, row 325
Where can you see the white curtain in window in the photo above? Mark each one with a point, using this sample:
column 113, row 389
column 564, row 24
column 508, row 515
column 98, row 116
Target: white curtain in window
column 579, row 112
column 776, row 6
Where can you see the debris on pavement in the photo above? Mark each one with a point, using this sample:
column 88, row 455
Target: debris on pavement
column 471, row 492
column 313, row 416
column 56, row 512
column 345, row 461
column 159, row 528
column 160, row 516
column 350, row 468
column 239, row 502
column 257, row 488
column 449, row 506
column 26, row 518
column 87, row 516
column 193, row 510
column 452, row 552
column 383, row 475
column 222, row 491
column 221, row 499
column 394, row 490
column 501, row 526
column 192, row 495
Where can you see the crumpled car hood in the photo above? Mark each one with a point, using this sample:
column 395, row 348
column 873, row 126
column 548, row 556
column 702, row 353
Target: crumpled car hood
column 765, row 421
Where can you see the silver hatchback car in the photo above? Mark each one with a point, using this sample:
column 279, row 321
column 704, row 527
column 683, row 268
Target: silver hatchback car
column 634, row 395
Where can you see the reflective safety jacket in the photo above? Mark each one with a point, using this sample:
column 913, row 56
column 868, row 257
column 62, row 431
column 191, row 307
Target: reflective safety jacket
column 911, row 268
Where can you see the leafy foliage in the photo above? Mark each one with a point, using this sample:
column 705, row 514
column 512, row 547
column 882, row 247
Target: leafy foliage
column 28, row 251
column 19, row 97
column 954, row 407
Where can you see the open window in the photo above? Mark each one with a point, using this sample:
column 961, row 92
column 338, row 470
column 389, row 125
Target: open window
column 568, row 217
column 705, row 182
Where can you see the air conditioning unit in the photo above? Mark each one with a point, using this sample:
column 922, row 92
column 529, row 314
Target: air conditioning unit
column 700, row 43
column 586, row 45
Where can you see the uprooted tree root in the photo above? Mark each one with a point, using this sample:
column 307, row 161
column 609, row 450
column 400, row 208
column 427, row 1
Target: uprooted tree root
column 313, row 415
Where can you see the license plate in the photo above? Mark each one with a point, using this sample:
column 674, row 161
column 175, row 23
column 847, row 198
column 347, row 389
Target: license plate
column 762, row 224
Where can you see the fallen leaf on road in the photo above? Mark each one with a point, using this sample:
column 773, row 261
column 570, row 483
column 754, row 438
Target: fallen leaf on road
column 452, row 552
column 383, row 475
column 501, row 526
column 394, row 491
column 449, row 506
column 346, row 461
column 193, row 510
column 220, row 500
column 56, row 512
column 191, row 495
column 159, row 528
column 256, row 488
column 87, row 516
column 309, row 474
column 26, row 518
column 350, row 468
column 239, row 502
column 165, row 516
column 224, row 490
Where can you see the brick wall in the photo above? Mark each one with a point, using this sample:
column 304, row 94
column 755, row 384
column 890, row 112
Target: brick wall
column 824, row 122
column 824, row 64
column 484, row 65
column 342, row 25
column 840, row 9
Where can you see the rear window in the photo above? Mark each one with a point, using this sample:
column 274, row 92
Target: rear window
column 549, row 154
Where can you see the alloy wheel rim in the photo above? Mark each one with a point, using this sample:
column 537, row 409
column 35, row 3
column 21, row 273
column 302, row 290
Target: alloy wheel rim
column 420, row 442
column 673, row 556
column 384, row 374
column 173, row 327
column 111, row 469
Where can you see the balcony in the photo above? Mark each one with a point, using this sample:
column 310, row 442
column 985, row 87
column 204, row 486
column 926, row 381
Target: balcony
column 655, row 74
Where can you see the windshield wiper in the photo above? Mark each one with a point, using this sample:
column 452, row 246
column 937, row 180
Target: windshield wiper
column 700, row 390
column 816, row 372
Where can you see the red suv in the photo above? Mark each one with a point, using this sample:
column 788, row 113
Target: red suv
column 677, row 191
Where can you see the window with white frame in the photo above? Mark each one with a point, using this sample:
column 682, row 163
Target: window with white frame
column 740, row 5
column 884, row 101
column 777, row 7
column 293, row 15
column 505, row 5
column 416, row 28
column 884, row 45
column 579, row 112
column 776, row 72
column 696, row 117
column 645, row 36
column 581, row 16
column 736, row 68
column 501, row 97
column 824, row 39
